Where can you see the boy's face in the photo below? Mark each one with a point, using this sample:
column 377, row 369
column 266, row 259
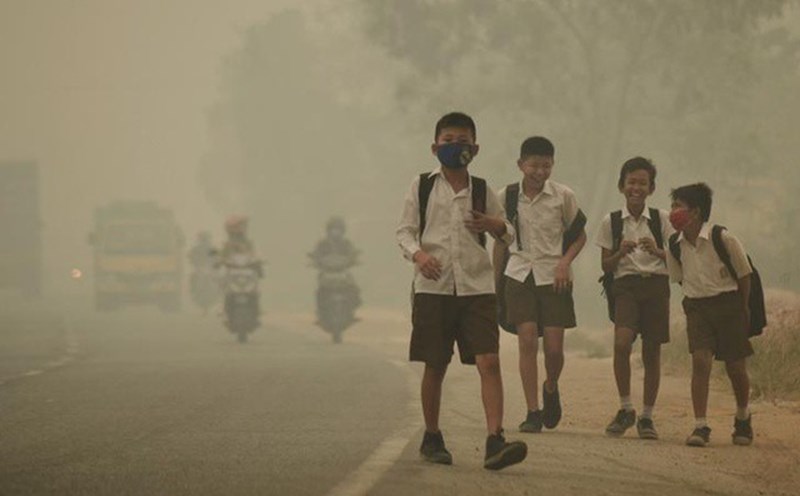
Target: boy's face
column 461, row 135
column 683, row 216
column 536, row 168
column 637, row 187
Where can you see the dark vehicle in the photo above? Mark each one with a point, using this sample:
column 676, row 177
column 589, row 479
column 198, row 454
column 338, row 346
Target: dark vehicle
column 20, row 219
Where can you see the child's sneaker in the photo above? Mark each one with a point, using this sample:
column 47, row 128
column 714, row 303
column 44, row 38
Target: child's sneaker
column 624, row 420
column 533, row 423
column 646, row 428
column 433, row 450
column 500, row 454
column 551, row 415
column 742, row 432
column 699, row 437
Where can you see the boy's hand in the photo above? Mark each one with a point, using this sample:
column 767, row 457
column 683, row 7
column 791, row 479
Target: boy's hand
column 627, row 246
column 481, row 223
column 649, row 245
column 561, row 283
column 430, row 267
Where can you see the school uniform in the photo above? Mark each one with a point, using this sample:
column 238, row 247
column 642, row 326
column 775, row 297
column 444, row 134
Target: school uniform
column 461, row 306
column 530, row 272
column 715, row 312
column 641, row 280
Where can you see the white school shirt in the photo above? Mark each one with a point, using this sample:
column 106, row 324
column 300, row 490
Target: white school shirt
column 639, row 261
column 466, row 265
column 701, row 272
column 542, row 222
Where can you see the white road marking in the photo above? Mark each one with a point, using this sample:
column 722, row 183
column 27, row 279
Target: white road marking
column 71, row 350
column 362, row 479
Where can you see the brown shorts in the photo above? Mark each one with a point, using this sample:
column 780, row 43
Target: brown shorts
column 642, row 305
column 439, row 321
column 527, row 302
column 718, row 324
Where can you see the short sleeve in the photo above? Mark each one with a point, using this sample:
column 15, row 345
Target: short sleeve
column 603, row 239
column 738, row 255
column 570, row 207
column 674, row 267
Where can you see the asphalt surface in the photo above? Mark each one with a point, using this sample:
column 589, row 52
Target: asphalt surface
column 155, row 404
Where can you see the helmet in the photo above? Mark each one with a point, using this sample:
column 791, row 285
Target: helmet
column 336, row 223
column 236, row 224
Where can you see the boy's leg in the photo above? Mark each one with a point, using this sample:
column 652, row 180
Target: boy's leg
column 553, row 356
column 528, row 340
column 651, row 358
column 432, row 380
column 491, row 390
column 702, row 360
column 737, row 373
column 623, row 344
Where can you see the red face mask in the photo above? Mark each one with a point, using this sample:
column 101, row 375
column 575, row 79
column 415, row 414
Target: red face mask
column 679, row 218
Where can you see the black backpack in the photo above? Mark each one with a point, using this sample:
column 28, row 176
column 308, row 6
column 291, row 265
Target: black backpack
column 570, row 236
column 607, row 279
column 426, row 182
column 758, row 312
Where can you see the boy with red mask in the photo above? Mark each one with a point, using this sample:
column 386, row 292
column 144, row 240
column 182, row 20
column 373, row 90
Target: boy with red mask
column 716, row 307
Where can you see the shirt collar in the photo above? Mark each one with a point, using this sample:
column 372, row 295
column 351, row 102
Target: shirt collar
column 439, row 172
column 705, row 233
column 547, row 189
column 626, row 213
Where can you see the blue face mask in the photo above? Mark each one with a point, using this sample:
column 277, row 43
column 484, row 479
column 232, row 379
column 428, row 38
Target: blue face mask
column 455, row 155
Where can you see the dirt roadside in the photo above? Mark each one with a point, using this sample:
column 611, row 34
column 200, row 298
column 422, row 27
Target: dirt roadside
column 577, row 458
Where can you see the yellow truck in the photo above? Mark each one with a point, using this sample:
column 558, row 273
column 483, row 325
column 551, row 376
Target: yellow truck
column 20, row 219
column 138, row 256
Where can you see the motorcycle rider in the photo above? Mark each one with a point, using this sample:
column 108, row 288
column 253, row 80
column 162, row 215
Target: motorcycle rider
column 239, row 246
column 335, row 254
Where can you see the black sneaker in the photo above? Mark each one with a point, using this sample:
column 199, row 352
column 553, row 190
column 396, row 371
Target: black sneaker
column 533, row 423
column 624, row 420
column 433, row 450
column 646, row 429
column 551, row 415
column 699, row 437
column 500, row 454
column 742, row 432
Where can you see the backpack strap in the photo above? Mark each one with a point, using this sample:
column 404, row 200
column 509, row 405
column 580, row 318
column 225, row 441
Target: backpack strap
column 573, row 231
column 479, row 202
column 655, row 227
column 675, row 247
column 616, row 230
column 722, row 250
column 512, row 213
column 426, row 182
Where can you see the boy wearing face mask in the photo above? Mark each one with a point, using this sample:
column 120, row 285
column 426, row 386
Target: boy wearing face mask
column 716, row 307
column 454, row 294
column 538, row 277
column 636, row 257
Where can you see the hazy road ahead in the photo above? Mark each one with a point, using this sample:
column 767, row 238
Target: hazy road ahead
column 172, row 405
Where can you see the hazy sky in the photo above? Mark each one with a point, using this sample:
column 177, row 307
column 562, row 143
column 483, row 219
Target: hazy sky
column 109, row 97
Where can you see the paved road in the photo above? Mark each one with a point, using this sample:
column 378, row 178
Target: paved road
column 172, row 405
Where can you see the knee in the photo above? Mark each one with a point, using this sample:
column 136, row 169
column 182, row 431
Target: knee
column 736, row 370
column 488, row 365
column 528, row 343
column 701, row 363
column 434, row 373
column 622, row 348
column 554, row 354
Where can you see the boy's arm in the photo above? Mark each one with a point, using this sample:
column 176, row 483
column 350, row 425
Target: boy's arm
column 502, row 230
column 408, row 228
column 498, row 256
column 674, row 267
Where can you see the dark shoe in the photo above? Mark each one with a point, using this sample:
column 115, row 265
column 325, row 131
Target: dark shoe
column 533, row 423
column 551, row 415
column 433, row 450
column 646, row 429
column 500, row 454
column 742, row 432
column 624, row 420
column 699, row 437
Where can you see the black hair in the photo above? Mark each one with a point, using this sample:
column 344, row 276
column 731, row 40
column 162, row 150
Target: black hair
column 455, row 119
column 634, row 164
column 537, row 145
column 696, row 195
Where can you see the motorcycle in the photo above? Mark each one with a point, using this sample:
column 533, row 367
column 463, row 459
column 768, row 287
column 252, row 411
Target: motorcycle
column 337, row 300
column 240, row 286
